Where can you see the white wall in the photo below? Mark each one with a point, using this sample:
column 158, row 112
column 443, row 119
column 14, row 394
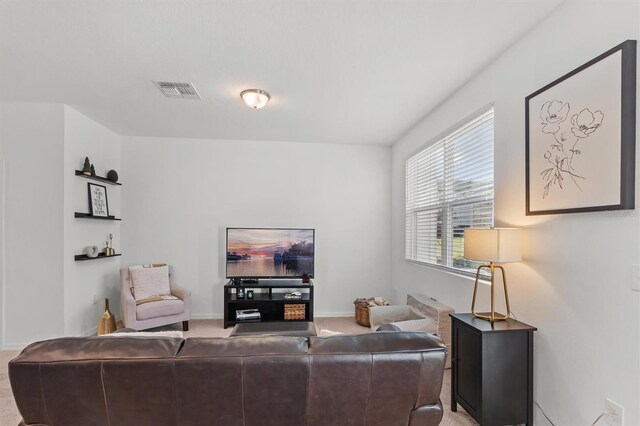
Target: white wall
column 179, row 195
column 31, row 137
column 575, row 281
column 89, row 280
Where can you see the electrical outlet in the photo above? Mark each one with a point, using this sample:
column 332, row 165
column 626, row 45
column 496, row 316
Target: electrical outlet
column 94, row 300
column 615, row 413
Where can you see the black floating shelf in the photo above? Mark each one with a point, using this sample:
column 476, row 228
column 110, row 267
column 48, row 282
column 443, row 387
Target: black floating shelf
column 98, row 178
column 79, row 257
column 90, row 216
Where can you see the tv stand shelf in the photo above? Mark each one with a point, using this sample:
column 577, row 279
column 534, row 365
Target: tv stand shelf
column 270, row 304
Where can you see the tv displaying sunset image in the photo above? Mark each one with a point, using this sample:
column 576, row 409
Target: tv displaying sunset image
column 269, row 252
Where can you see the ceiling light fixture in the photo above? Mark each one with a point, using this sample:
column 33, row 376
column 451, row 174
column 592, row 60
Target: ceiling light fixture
column 255, row 98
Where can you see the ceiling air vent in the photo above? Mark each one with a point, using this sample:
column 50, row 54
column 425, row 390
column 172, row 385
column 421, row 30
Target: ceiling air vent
column 177, row 90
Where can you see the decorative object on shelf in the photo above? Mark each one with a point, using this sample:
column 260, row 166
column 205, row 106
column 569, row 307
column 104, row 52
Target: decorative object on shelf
column 93, row 170
column 306, row 278
column 107, row 323
column 92, row 251
column 249, row 294
column 98, row 203
column 240, row 293
column 255, row 98
column 580, row 137
column 492, row 245
column 296, row 295
column 108, row 249
column 112, row 175
column 86, row 167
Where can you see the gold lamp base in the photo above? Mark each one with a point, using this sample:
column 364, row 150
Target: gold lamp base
column 492, row 315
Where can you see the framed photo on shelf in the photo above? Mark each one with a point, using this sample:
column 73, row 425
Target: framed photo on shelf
column 580, row 137
column 98, row 203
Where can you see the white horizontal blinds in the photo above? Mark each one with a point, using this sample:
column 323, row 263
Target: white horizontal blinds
column 450, row 188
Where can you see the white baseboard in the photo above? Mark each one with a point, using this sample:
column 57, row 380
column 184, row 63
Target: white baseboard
column 91, row 332
column 14, row 346
column 207, row 316
column 334, row 314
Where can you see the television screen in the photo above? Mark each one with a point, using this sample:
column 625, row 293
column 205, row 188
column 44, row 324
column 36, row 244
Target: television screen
column 269, row 252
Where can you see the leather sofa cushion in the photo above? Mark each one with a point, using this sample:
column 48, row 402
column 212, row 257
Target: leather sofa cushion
column 243, row 346
column 379, row 342
column 161, row 308
column 97, row 348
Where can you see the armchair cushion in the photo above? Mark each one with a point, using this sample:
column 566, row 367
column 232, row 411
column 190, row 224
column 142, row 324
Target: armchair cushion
column 380, row 315
column 424, row 325
column 150, row 281
column 161, row 308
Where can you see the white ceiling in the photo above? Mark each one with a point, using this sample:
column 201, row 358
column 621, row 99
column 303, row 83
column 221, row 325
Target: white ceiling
column 349, row 71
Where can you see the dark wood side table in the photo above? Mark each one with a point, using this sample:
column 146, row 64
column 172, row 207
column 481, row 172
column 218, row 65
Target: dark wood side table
column 492, row 370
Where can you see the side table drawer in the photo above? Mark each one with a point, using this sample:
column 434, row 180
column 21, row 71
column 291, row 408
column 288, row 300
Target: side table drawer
column 467, row 380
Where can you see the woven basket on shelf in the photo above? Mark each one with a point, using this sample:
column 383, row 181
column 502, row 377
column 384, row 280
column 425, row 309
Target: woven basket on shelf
column 362, row 316
column 294, row 311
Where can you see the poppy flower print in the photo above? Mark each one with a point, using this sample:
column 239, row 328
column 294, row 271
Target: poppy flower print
column 560, row 164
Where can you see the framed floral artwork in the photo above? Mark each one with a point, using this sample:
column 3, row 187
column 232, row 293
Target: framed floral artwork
column 580, row 137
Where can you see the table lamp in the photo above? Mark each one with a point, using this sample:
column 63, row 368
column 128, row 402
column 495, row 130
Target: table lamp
column 491, row 245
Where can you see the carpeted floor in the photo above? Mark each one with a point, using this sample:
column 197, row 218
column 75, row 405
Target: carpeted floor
column 9, row 415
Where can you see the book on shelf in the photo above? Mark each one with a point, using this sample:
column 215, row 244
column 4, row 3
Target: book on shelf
column 247, row 314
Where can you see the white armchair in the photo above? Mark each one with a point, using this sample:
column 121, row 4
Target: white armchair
column 154, row 314
column 421, row 313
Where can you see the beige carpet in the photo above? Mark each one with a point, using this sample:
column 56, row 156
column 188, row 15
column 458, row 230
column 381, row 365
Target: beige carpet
column 9, row 415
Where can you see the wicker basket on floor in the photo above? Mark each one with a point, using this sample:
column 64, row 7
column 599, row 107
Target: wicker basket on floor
column 362, row 316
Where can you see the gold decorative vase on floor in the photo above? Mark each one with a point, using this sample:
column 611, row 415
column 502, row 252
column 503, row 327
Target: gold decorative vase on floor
column 107, row 323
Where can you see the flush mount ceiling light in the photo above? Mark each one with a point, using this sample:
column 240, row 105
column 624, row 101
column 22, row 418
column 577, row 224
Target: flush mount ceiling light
column 255, row 98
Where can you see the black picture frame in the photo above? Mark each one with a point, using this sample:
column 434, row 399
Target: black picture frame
column 95, row 193
column 627, row 116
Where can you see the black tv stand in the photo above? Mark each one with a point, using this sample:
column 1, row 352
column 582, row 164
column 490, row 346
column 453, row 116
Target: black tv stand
column 270, row 304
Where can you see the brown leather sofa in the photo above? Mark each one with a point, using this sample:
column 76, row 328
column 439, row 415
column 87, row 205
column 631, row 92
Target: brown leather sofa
column 385, row 379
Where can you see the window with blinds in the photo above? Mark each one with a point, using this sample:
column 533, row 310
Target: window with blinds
column 449, row 188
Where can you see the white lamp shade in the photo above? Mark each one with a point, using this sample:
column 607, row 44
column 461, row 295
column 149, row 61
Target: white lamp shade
column 493, row 244
column 255, row 98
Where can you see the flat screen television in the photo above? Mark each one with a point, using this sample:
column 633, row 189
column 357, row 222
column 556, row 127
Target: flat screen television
column 270, row 252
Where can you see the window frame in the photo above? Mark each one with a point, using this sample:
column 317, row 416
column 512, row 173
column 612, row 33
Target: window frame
column 447, row 239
